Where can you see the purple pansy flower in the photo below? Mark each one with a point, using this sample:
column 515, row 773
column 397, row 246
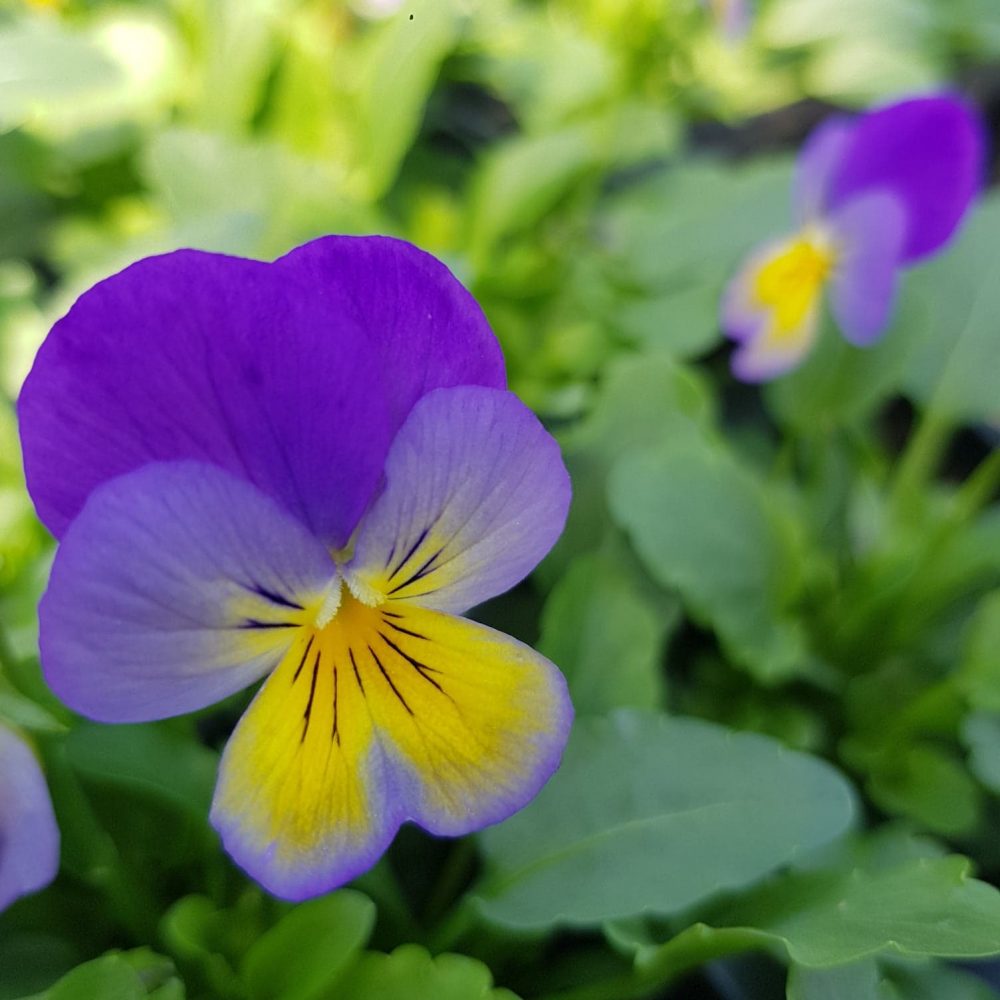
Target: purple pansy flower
column 302, row 471
column 29, row 837
column 872, row 195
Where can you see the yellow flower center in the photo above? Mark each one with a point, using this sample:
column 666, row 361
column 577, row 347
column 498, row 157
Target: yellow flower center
column 790, row 282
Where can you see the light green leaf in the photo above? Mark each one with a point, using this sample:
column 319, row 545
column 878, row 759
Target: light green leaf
column 859, row 51
column 703, row 524
column 397, row 76
column 521, row 180
column 953, row 370
column 641, row 401
column 45, row 66
column 307, row 950
column 546, row 68
column 649, row 813
column 682, row 322
column 24, row 712
column 692, row 224
column 606, row 636
column 236, row 43
column 231, row 196
column 411, row 972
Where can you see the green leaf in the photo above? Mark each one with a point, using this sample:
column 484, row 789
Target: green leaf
column 134, row 975
column 46, row 66
column 929, row 785
column 641, row 400
column 865, row 980
column 606, row 636
column 828, row 919
column 682, row 322
column 521, row 180
column 952, row 371
column 856, row 981
column 411, row 972
column 935, row 981
column 397, row 76
column 107, row 978
column 547, row 68
column 925, row 907
column 204, row 940
column 24, row 712
column 649, row 813
column 304, row 953
column 228, row 195
column 703, row 524
column 979, row 674
column 981, row 734
column 690, row 225
column 154, row 759
column 32, row 960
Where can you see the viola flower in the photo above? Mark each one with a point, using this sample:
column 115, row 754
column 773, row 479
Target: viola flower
column 302, row 471
column 873, row 195
column 29, row 837
column 732, row 17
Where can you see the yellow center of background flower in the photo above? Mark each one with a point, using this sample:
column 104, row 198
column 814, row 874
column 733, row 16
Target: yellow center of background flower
column 789, row 283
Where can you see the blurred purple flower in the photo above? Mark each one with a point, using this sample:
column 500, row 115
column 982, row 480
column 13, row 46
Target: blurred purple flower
column 732, row 17
column 873, row 195
column 29, row 837
column 302, row 471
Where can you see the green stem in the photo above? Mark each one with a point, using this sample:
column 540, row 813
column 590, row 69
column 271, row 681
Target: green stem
column 978, row 490
column 8, row 661
column 454, row 928
column 919, row 461
column 974, row 494
column 452, row 879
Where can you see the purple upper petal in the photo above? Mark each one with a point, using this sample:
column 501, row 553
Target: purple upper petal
column 870, row 231
column 818, row 162
column 476, row 494
column 29, row 837
column 177, row 585
column 293, row 375
column 928, row 153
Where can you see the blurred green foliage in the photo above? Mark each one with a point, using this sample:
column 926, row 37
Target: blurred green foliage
column 817, row 562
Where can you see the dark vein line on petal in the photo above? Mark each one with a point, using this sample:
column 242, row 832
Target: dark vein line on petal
column 422, row 669
column 336, row 726
column 409, row 555
column 405, row 631
column 389, row 681
column 357, row 675
column 273, row 596
column 302, row 662
column 312, row 694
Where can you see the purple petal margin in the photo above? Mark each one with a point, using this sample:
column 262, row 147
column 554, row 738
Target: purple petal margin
column 29, row 837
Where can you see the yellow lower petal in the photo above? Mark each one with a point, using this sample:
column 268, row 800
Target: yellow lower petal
column 384, row 714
